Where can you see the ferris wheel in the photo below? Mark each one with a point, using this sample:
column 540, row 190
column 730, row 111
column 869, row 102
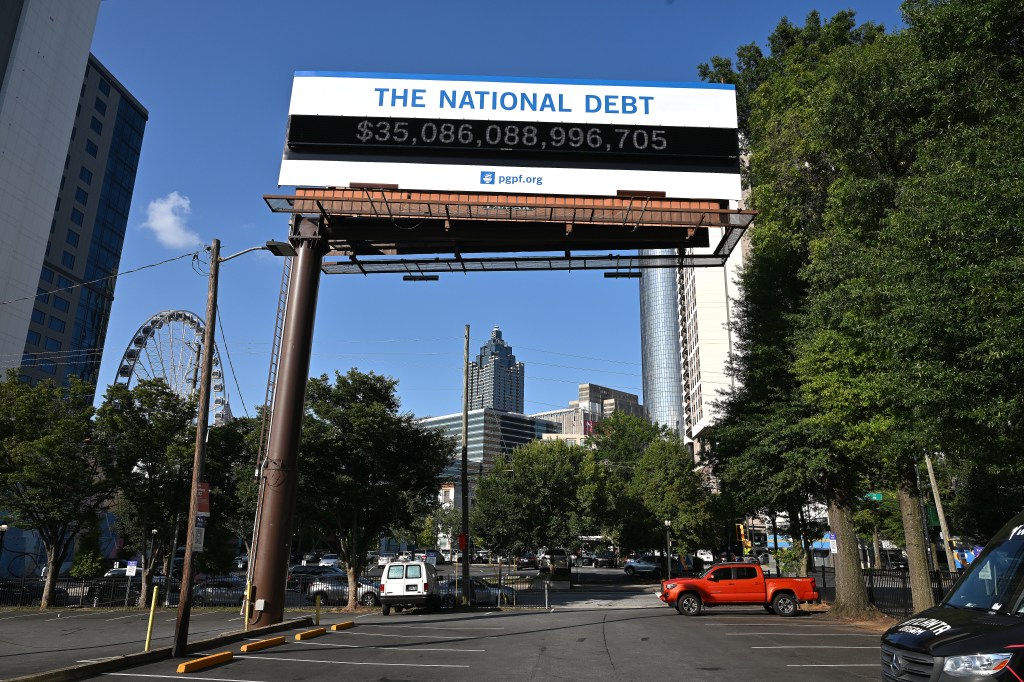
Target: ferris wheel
column 169, row 346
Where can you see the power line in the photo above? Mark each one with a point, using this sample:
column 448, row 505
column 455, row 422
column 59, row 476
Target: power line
column 227, row 352
column 194, row 254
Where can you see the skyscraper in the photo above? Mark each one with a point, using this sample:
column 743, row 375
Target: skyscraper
column 44, row 47
column 69, row 317
column 496, row 380
column 659, row 343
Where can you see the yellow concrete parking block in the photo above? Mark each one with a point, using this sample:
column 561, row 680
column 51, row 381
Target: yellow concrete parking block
column 262, row 644
column 343, row 626
column 310, row 634
column 204, row 662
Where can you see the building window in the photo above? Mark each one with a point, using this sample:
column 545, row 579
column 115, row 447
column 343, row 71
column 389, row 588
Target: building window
column 81, row 196
column 67, row 260
column 91, row 148
column 85, row 175
column 46, row 275
column 64, row 282
column 56, row 324
column 74, row 131
column 42, row 295
column 96, row 126
column 52, row 345
column 78, row 111
column 73, row 238
column 33, row 338
column 67, row 160
column 48, row 249
column 62, row 179
column 105, row 86
column 61, row 304
column 38, row 316
column 101, row 106
column 77, row 217
column 48, row 366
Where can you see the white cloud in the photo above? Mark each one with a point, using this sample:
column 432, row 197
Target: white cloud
column 167, row 217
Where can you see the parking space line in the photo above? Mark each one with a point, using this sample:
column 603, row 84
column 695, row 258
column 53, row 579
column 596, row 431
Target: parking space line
column 178, row 677
column 786, row 625
column 803, row 634
column 27, row 615
column 428, row 627
column 130, row 615
column 381, row 634
column 813, row 646
column 833, row 665
column 391, row 648
column 386, row 665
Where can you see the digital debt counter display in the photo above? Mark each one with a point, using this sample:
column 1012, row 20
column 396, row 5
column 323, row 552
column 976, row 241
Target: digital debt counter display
column 469, row 133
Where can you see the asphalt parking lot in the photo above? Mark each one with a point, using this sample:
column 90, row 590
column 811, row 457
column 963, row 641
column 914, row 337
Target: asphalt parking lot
column 629, row 636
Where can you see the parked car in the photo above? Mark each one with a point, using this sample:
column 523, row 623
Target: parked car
column 481, row 592
column 333, row 589
column 528, row 560
column 115, row 590
column 29, row 593
column 584, row 559
column 330, row 560
column 241, row 562
column 736, row 583
column 385, row 558
column 649, row 565
column 299, row 577
column 219, row 592
column 412, row 583
column 604, row 560
column 554, row 561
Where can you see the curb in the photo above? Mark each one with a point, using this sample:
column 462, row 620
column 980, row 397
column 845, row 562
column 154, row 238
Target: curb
column 80, row 672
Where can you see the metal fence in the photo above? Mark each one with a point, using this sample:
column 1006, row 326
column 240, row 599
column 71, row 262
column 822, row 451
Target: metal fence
column 888, row 590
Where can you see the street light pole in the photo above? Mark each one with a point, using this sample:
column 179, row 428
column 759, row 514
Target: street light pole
column 202, row 418
column 3, row 532
column 668, row 549
column 185, row 594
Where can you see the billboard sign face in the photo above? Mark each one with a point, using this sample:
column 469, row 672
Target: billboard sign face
column 477, row 134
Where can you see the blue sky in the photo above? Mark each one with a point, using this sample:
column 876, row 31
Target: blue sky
column 216, row 78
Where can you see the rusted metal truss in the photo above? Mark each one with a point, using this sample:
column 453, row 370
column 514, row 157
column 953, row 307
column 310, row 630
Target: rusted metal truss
column 370, row 227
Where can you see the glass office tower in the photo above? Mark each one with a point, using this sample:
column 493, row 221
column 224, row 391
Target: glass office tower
column 659, row 343
column 68, row 328
column 496, row 380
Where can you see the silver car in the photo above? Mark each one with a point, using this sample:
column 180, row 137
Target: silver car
column 219, row 592
column 334, row 590
column 481, row 592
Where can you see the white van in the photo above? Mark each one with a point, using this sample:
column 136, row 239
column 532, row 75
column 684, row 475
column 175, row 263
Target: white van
column 409, row 583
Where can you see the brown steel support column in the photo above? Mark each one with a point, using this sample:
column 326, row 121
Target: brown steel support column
column 280, row 474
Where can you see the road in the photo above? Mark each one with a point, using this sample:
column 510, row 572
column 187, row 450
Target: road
column 606, row 632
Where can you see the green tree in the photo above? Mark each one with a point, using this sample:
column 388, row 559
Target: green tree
column 149, row 431
column 52, row 472
column 547, row 495
column 366, row 468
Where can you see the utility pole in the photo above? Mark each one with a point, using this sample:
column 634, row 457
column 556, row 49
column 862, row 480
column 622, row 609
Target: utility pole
column 465, row 470
column 203, row 417
column 942, row 516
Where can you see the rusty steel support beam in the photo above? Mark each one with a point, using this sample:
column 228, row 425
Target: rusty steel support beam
column 280, row 473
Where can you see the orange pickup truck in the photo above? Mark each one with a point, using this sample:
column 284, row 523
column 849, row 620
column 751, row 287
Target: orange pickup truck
column 737, row 584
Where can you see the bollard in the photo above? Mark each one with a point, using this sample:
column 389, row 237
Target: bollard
column 152, row 612
column 546, row 605
column 317, row 621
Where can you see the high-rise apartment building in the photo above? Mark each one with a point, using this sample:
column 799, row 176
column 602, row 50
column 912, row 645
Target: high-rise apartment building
column 44, row 48
column 496, row 380
column 706, row 298
column 659, row 343
column 69, row 317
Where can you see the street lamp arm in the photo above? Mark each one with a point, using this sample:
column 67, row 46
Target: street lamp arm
column 277, row 248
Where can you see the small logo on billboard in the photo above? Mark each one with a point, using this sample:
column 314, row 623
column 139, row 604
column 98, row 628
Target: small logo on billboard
column 486, row 177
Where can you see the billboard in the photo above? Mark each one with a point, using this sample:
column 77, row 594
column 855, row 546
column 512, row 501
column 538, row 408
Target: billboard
column 483, row 134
